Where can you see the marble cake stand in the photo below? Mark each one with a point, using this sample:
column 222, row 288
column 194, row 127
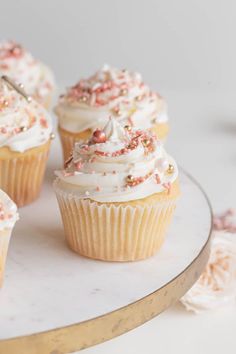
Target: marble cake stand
column 54, row 301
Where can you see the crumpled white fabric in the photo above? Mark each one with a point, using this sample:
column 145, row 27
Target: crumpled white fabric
column 217, row 284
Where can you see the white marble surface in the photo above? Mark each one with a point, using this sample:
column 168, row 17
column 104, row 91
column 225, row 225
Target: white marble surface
column 48, row 286
column 203, row 139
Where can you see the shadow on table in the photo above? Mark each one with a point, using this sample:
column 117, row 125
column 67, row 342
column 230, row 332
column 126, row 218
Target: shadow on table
column 223, row 125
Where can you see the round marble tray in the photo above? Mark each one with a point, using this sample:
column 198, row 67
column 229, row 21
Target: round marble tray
column 54, row 301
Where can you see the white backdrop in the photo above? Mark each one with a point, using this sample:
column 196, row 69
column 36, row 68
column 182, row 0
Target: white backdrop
column 175, row 44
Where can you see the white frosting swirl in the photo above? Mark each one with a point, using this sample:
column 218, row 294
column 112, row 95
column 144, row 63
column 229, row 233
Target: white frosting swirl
column 127, row 165
column 18, row 64
column 110, row 92
column 8, row 212
column 23, row 124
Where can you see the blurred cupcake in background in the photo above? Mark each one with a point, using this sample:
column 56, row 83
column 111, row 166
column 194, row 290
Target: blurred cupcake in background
column 37, row 79
column 8, row 217
column 25, row 135
column 109, row 92
column 117, row 194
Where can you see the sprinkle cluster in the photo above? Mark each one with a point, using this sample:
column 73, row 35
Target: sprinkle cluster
column 225, row 221
column 27, row 118
column 17, row 62
column 10, row 50
column 134, row 138
column 121, row 159
column 10, row 130
column 134, row 181
column 103, row 88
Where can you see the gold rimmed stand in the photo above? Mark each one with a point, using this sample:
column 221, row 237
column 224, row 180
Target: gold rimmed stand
column 81, row 335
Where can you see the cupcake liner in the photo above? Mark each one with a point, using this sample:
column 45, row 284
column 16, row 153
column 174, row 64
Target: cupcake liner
column 22, row 174
column 68, row 140
column 5, row 236
column 111, row 231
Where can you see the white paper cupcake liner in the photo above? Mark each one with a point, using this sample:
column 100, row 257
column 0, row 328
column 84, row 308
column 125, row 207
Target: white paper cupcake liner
column 114, row 232
column 67, row 142
column 21, row 177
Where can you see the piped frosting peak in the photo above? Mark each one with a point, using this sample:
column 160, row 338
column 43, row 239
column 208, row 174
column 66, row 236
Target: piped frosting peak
column 118, row 164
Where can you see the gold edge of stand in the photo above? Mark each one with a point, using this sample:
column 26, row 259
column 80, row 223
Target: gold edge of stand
column 97, row 330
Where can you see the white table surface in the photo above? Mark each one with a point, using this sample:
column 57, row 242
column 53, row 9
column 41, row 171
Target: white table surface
column 203, row 140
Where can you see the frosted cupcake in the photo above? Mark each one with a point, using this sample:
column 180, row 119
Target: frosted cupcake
column 110, row 92
column 17, row 63
column 8, row 217
column 117, row 194
column 25, row 133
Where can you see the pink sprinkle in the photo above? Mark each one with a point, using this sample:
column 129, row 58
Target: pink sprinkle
column 225, row 222
column 78, row 165
column 101, row 153
column 158, row 180
column 43, row 122
column 16, row 130
column 167, row 186
column 230, row 212
column 130, row 121
column 218, row 225
column 4, row 66
column 68, row 174
column 93, row 99
column 85, row 147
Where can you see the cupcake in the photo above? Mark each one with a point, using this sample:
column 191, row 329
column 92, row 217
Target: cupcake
column 25, row 132
column 117, row 194
column 8, row 217
column 17, row 63
column 110, row 92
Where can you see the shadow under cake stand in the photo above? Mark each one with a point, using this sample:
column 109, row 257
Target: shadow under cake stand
column 54, row 301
